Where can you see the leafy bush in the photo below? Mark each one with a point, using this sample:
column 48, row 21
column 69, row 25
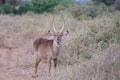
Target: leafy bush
column 86, row 11
column 40, row 6
column 106, row 2
column 8, row 9
column 1, row 10
column 36, row 6
column 24, row 8
column 117, row 4
column 116, row 30
column 90, row 10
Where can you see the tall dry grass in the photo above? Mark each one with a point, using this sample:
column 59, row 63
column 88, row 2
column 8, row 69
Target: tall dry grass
column 90, row 51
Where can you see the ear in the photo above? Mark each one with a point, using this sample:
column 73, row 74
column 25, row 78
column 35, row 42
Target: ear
column 50, row 33
column 65, row 33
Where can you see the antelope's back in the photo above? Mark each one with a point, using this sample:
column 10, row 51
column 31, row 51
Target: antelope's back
column 42, row 43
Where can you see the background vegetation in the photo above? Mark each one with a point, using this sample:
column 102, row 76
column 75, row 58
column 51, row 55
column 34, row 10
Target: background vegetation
column 40, row 6
column 91, row 51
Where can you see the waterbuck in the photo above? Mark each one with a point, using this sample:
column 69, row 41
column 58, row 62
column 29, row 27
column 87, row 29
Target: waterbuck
column 49, row 48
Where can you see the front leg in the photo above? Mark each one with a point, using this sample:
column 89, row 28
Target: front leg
column 36, row 67
column 55, row 62
column 49, row 64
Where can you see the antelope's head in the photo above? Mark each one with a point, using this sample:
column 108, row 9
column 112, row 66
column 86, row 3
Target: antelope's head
column 58, row 34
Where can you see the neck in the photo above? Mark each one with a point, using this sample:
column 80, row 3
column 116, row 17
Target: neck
column 56, row 47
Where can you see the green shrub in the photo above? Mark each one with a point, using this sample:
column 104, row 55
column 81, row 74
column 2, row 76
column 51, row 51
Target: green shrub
column 8, row 9
column 1, row 10
column 116, row 31
column 25, row 7
column 36, row 6
column 117, row 4
column 106, row 2
column 40, row 6
column 90, row 10
column 80, row 11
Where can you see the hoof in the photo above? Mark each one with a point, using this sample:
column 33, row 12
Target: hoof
column 35, row 76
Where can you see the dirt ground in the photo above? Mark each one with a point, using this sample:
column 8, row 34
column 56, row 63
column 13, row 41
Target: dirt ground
column 94, row 62
column 14, row 66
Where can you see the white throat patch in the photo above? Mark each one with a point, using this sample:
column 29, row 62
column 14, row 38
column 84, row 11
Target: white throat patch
column 56, row 44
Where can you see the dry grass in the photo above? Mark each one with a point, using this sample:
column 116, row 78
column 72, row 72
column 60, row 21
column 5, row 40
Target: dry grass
column 90, row 52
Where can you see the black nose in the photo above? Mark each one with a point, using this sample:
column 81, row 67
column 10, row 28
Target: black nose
column 58, row 42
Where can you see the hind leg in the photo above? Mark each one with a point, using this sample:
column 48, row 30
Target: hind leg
column 36, row 66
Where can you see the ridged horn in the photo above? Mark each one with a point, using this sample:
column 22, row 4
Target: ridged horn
column 53, row 24
column 63, row 24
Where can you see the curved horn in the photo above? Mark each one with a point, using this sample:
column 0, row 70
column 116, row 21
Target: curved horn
column 53, row 24
column 63, row 24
